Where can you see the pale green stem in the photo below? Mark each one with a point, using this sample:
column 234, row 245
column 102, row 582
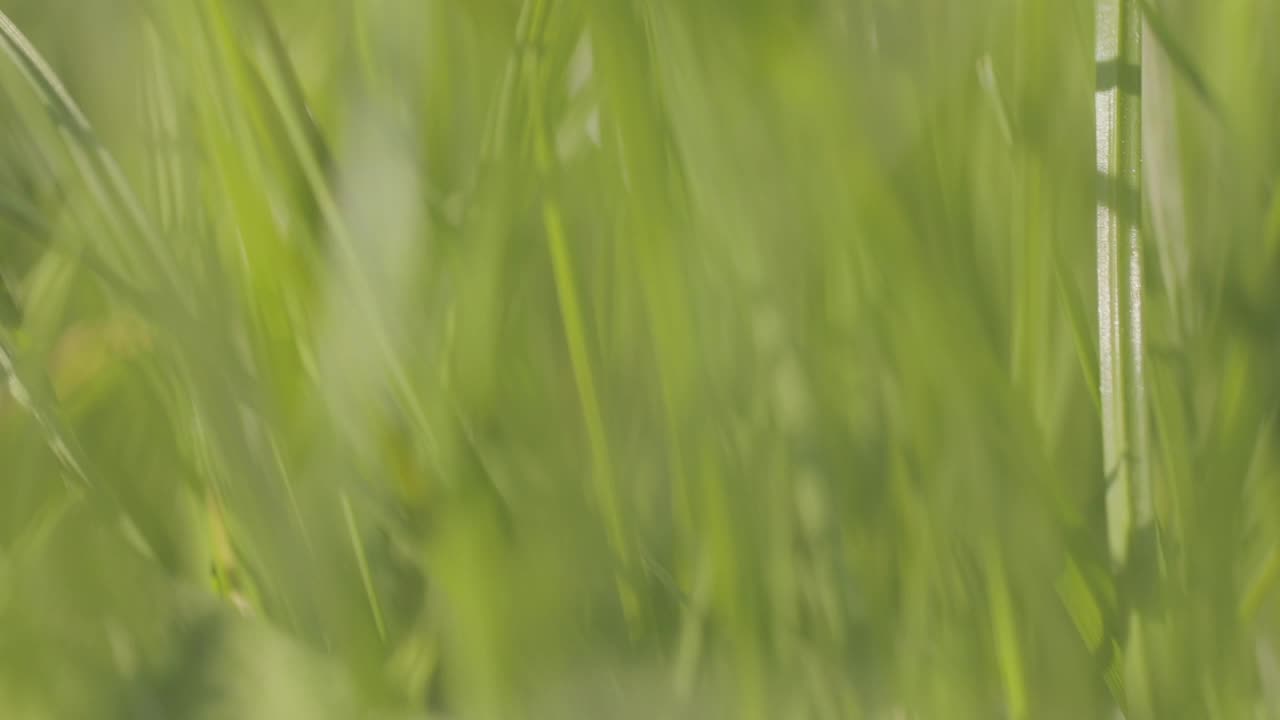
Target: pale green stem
column 1120, row 349
column 1130, row 510
column 571, row 313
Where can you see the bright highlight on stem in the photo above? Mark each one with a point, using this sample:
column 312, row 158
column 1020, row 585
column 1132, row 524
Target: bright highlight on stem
column 1130, row 514
column 1119, row 147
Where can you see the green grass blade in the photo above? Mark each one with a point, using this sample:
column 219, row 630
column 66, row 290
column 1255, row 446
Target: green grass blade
column 1120, row 282
column 97, row 166
column 31, row 388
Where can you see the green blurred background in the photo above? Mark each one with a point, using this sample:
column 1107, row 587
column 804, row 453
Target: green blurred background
column 488, row 359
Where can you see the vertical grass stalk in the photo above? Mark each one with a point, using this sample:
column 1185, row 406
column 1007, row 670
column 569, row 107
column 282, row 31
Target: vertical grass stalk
column 1129, row 507
column 531, row 68
column 1119, row 261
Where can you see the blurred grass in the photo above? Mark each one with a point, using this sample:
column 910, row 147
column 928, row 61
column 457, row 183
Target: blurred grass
column 567, row 358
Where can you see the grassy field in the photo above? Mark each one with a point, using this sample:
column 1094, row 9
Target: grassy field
column 489, row 359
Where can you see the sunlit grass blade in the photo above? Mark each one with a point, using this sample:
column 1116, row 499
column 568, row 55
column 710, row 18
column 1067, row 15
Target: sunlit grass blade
column 1130, row 505
column 574, row 359
column 572, row 316
column 31, row 388
column 1119, row 262
column 97, row 166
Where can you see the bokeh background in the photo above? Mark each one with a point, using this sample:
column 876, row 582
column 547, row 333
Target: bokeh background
column 487, row 359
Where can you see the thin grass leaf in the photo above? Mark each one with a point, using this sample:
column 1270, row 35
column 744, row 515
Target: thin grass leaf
column 1180, row 58
column 357, row 546
column 97, row 166
column 361, row 290
column 31, row 389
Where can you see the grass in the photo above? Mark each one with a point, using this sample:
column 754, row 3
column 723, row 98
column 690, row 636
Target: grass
column 560, row 358
column 1121, row 347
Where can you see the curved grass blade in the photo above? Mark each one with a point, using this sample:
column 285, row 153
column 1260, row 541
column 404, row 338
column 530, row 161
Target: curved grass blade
column 1180, row 57
column 98, row 168
column 139, row 300
column 32, row 391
